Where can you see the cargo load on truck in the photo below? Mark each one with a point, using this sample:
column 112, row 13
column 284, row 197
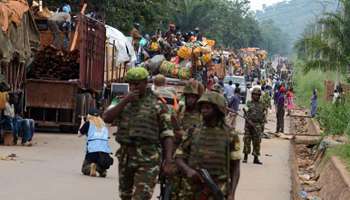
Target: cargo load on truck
column 19, row 39
column 63, row 83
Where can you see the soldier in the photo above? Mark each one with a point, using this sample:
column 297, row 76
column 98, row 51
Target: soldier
column 266, row 101
column 189, row 119
column 218, row 88
column 254, row 123
column 189, row 113
column 143, row 127
column 213, row 147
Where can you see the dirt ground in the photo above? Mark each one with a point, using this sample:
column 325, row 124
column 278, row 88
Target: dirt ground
column 50, row 170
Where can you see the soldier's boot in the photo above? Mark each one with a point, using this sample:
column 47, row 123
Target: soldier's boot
column 245, row 159
column 257, row 161
column 93, row 169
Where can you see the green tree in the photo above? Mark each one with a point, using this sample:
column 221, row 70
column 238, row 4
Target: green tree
column 274, row 40
column 229, row 22
column 327, row 46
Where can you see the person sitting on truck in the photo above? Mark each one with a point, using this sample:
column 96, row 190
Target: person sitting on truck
column 60, row 22
column 153, row 47
column 97, row 158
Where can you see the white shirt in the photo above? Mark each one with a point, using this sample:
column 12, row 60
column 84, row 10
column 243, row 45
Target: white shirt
column 9, row 110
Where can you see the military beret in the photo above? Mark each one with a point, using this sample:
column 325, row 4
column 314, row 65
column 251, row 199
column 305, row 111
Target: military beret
column 137, row 74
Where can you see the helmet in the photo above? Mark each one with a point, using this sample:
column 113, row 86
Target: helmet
column 137, row 74
column 214, row 98
column 159, row 80
column 256, row 91
column 193, row 87
column 218, row 88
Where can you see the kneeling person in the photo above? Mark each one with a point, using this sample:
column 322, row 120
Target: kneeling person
column 97, row 158
column 213, row 147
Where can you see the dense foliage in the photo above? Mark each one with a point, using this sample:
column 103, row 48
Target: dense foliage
column 229, row 22
column 293, row 16
column 326, row 45
column 274, row 40
column 335, row 118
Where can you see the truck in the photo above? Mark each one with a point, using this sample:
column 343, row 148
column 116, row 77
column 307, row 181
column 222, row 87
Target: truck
column 62, row 103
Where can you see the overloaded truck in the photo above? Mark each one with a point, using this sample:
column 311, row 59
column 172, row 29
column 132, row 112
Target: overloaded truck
column 19, row 39
column 61, row 99
column 56, row 87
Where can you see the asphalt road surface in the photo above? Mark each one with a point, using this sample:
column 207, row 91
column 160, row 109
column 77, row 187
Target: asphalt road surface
column 50, row 170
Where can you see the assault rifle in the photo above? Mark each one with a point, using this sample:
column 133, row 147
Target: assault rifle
column 165, row 188
column 211, row 185
column 252, row 124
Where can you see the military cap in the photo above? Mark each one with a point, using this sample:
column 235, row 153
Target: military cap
column 214, row 98
column 137, row 74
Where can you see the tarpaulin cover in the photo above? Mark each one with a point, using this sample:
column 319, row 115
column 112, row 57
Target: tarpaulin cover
column 12, row 11
column 19, row 40
column 124, row 50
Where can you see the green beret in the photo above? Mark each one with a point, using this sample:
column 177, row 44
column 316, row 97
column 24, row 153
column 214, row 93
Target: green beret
column 137, row 74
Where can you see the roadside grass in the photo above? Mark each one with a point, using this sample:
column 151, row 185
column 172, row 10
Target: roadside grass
column 334, row 119
column 341, row 151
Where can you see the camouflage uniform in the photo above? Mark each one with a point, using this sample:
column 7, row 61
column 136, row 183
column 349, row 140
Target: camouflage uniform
column 141, row 127
column 256, row 115
column 266, row 101
column 210, row 148
column 188, row 122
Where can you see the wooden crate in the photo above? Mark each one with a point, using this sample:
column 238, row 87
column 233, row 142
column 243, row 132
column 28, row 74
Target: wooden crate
column 8, row 138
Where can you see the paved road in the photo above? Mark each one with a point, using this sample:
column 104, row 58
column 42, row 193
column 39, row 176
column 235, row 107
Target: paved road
column 272, row 180
column 50, row 170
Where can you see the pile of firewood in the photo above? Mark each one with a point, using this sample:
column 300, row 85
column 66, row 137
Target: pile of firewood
column 53, row 64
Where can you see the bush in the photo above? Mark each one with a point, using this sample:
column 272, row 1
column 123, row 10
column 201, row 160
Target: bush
column 343, row 152
column 335, row 118
column 305, row 83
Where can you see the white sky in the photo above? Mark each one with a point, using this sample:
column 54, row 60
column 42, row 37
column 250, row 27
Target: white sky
column 257, row 4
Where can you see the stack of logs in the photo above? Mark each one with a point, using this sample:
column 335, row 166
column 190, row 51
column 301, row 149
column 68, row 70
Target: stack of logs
column 53, row 64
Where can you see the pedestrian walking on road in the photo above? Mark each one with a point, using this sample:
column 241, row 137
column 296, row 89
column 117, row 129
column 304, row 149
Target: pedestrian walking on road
column 254, row 123
column 144, row 132
column 229, row 90
column 280, row 110
column 214, row 147
column 290, row 100
column 97, row 158
column 314, row 103
column 234, row 105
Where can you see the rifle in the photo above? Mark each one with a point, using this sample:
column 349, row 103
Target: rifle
column 165, row 188
column 211, row 185
column 244, row 117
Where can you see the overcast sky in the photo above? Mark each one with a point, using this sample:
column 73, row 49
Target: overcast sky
column 257, row 4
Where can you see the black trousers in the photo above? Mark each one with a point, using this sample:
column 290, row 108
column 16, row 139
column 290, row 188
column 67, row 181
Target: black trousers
column 280, row 120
